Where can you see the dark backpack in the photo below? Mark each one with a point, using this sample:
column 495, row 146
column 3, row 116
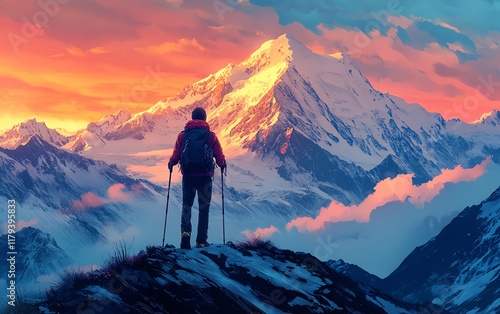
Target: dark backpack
column 197, row 155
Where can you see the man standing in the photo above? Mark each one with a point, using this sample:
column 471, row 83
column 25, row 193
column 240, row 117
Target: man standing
column 195, row 149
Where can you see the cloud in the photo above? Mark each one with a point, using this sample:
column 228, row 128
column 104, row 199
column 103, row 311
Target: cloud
column 350, row 14
column 260, row 232
column 423, row 33
column 116, row 236
column 20, row 224
column 465, row 89
column 99, row 50
column 116, row 194
column 174, row 3
column 409, row 39
column 394, row 230
column 443, row 24
column 23, row 223
column 89, row 200
column 107, row 22
column 182, row 45
column 363, row 15
column 74, row 51
column 399, row 189
column 200, row 40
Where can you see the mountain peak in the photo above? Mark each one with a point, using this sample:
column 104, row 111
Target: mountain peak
column 29, row 124
column 108, row 123
column 492, row 117
column 22, row 132
column 262, row 69
column 285, row 42
column 463, row 256
column 282, row 49
column 31, row 121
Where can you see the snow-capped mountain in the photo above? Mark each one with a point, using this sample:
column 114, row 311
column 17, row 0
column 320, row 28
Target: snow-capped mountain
column 223, row 279
column 355, row 272
column 285, row 90
column 299, row 130
column 37, row 169
column 38, row 254
column 107, row 124
column 22, row 132
column 459, row 269
column 305, row 118
column 95, row 133
column 78, row 201
column 492, row 118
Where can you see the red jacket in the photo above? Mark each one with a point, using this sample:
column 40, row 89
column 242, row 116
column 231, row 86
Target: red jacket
column 213, row 141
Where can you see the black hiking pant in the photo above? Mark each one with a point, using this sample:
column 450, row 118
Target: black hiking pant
column 203, row 187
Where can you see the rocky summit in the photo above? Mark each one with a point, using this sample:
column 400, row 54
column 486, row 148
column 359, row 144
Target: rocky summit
column 245, row 278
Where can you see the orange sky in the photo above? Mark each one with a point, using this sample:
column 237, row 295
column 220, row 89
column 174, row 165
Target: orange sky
column 87, row 59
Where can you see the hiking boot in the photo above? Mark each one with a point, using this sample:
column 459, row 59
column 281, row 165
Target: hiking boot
column 202, row 244
column 186, row 240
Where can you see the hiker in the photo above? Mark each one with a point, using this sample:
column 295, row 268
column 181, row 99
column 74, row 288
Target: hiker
column 195, row 149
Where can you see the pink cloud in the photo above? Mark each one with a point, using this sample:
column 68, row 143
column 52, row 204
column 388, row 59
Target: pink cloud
column 182, row 45
column 20, row 224
column 260, row 232
column 116, row 194
column 23, row 223
column 75, row 51
column 89, row 200
column 399, row 189
column 401, row 21
column 467, row 92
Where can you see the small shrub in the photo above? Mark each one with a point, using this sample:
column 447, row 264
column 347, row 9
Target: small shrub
column 72, row 279
column 256, row 243
column 121, row 258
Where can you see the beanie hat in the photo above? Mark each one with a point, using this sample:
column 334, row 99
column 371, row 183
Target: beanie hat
column 199, row 114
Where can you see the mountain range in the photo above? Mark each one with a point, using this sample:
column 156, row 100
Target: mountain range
column 458, row 270
column 299, row 130
column 311, row 117
column 77, row 201
column 38, row 255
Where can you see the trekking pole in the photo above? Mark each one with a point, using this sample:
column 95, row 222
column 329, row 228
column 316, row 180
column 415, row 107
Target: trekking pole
column 223, row 224
column 166, row 209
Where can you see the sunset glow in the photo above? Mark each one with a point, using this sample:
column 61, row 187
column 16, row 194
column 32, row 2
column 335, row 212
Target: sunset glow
column 72, row 62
